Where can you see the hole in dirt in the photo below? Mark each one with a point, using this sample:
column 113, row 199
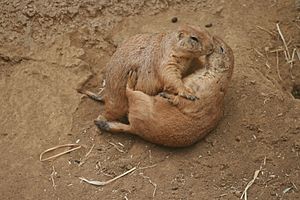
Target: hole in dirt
column 296, row 91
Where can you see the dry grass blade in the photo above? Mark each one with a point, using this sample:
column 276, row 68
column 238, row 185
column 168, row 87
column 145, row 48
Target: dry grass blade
column 295, row 187
column 284, row 42
column 244, row 195
column 267, row 64
column 155, row 187
column 286, row 190
column 116, row 146
column 151, row 182
column 276, row 50
column 266, row 30
column 258, row 52
column 86, row 155
column 292, row 63
column 102, row 183
column 151, row 166
column 75, row 147
column 298, row 54
column 52, row 177
column 277, row 66
column 293, row 55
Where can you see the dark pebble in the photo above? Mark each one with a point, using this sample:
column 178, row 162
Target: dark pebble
column 174, row 19
column 175, row 188
column 208, row 25
column 77, row 161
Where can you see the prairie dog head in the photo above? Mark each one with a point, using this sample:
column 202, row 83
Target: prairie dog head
column 191, row 39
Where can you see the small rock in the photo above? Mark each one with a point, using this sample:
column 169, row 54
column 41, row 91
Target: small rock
column 77, row 161
column 174, row 19
column 208, row 25
column 175, row 188
column 272, row 193
column 197, row 176
column 253, row 82
column 238, row 138
column 223, row 184
column 297, row 145
column 218, row 10
column 237, row 193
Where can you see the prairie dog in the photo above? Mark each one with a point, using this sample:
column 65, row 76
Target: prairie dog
column 155, row 119
column 160, row 60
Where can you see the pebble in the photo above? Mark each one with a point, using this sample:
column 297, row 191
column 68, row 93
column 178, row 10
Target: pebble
column 175, row 188
column 174, row 19
column 208, row 25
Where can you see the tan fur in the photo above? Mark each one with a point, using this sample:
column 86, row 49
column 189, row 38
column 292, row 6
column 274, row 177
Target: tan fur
column 156, row 120
column 160, row 61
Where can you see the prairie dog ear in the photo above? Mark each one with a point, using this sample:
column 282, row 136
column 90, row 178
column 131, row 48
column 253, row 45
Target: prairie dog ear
column 219, row 44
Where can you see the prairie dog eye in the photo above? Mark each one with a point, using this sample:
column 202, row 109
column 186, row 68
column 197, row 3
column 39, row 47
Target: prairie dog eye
column 194, row 38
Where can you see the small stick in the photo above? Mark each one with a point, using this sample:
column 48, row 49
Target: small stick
column 258, row 52
column 244, row 195
column 266, row 30
column 277, row 66
column 155, row 187
column 151, row 182
column 222, row 195
column 151, row 166
column 274, row 51
column 288, row 43
column 76, row 146
column 293, row 55
column 292, row 63
column 286, row 56
column 52, row 177
column 298, row 54
column 283, row 40
column 102, row 183
column 116, row 147
column 267, row 64
column 294, row 186
column 86, row 155
column 150, row 155
column 121, row 144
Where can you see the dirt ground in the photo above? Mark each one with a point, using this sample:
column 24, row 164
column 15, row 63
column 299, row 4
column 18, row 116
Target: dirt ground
column 51, row 48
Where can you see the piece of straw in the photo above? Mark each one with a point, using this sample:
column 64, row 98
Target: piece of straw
column 244, row 195
column 75, row 147
column 284, row 42
column 102, row 183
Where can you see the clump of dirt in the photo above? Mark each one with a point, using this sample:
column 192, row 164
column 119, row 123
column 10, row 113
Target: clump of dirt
column 50, row 49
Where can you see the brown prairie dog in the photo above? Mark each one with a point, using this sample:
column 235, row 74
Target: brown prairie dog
column 159, row 59
column 156, row 120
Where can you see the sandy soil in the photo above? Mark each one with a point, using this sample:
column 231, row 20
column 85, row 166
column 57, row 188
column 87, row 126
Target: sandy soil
column 51, row 48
